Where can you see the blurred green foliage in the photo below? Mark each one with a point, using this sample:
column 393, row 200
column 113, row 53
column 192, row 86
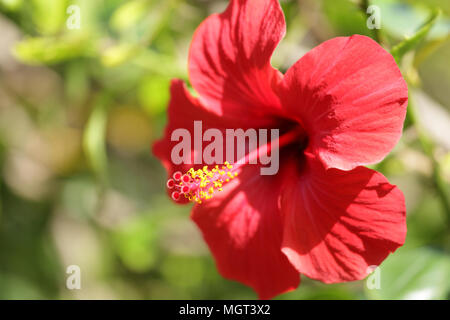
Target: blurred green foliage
column 79, row 109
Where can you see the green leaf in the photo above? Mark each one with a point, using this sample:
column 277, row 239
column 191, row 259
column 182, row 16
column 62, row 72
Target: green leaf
column 50, row 50
column 419, row 273
column 94, row 138
column 412, row 42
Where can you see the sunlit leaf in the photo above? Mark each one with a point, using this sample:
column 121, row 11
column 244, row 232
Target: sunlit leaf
column 49, row 15
column 118, row 54
column 50, row 50
column 129, row 14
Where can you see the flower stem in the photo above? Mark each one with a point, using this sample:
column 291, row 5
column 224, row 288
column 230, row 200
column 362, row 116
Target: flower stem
column 429, row 148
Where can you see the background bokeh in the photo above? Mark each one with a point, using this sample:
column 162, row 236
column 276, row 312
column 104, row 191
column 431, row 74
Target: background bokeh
column 79, row 109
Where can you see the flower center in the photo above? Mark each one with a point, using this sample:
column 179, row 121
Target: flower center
column 201, row 184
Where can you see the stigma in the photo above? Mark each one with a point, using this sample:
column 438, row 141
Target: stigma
column 202, row 184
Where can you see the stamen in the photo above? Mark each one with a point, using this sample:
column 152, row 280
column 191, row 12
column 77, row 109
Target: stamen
column 199, row 185
column 175, row 195
column 170, row 183
column 177, row 176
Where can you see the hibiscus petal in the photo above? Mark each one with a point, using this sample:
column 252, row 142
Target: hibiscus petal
column 229, row 59
column 242, row 226
column 338, row 223
column 351, row 98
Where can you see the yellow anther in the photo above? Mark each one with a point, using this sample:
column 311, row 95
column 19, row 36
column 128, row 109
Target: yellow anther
column 203, row 183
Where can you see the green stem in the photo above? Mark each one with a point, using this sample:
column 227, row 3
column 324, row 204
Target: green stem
column 429, row 148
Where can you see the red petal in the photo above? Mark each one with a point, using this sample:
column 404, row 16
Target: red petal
column 351, row 98
column 229, row 60
column 337, row 223
column 242, row 226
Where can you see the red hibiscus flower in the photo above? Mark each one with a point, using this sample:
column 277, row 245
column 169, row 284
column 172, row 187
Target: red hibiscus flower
column 341, row 106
